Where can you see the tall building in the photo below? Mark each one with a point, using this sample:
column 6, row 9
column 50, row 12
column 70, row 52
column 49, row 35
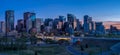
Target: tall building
column 55, row 23
column 100, row 29
column 9, row 20
column 68, row 28
column 91, row 25
column 75, row 23
column 47, row 21
column 86, row 24
column 62, row 18
column 26, row 17
column 33, row 18
column 113, row 30
column 29, row 25
column 29, row 16
column 61, row 22
column 78, row 25
column 2, row 26
column 38, row 25
column 72, row 20
column 20, row 25
column 59, row 25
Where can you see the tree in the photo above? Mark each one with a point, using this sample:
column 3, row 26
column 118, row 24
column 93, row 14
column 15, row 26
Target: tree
column 49, row 41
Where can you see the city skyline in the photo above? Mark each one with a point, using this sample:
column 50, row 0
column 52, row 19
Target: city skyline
column 105, row 23
column 45, row 27
column 100, row 10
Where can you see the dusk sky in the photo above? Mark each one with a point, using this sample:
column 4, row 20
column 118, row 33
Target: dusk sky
column 100, row 10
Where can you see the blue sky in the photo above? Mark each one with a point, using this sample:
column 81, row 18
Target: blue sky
column 100, row 10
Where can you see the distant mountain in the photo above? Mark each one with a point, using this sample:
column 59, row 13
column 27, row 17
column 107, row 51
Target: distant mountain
column 114, row 23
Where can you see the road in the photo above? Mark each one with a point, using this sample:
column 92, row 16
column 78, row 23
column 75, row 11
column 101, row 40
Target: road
column 73, row 51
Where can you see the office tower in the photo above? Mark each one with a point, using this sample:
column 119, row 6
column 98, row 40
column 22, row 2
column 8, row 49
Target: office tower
column 91, row 24
column 78, row 26
column 48, row 25
column 70, row 18
column 62, row 18
column 113, row 30
column 66, row 25
column 55, row 23
column 26, row 17
column 47, row 21
column 59, row 25
column 33, row 18
column 38, row 25
column 61, row 21
column 2, row 26
column 42, row 28
column 29, row 16
column 29, row 25
column 20, row 25
column 68, row 28
column 100, row 29
column 9, row 20
column 74, row 24
column 86, row 24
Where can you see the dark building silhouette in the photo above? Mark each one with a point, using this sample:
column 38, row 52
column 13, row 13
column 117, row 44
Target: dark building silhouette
column 86, row 24
column 26, row 17
column 100, row 29
column 9, row 20
column 29, row 20
column 70, row 18
column 20, row 25
column 62, row 18
column 113, row 30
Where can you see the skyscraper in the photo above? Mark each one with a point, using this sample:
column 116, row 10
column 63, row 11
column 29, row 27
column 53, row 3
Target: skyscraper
column 33, row 18
column 100, row 29
column 86, row 24
column 61, row 22
column 26, row 17
column 78, row 25
column 38, row 24
column 20, row 25
column 71, row 19
column 29, row 18
column 28, row 25
column 55, row 23
column 9, row 20
column 47, row 21
column 91, row 25
column 59, row 25
column 62, row 18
